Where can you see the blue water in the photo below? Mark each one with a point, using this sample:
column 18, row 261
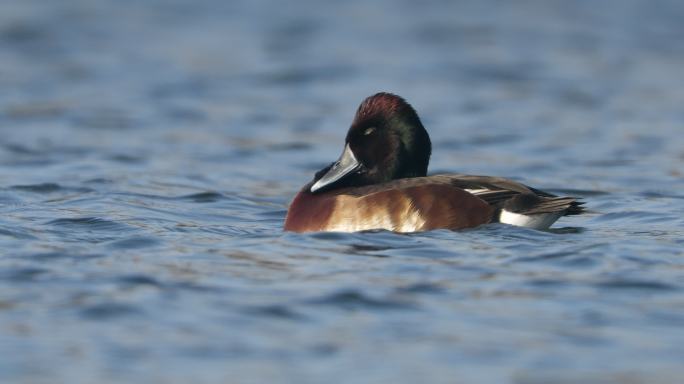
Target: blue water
column 149, row 149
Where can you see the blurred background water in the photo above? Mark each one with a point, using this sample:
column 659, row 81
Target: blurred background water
column 149, row 149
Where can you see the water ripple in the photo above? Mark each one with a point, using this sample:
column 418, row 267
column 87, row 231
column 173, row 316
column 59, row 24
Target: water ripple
column 356, row 300
column 636, row 285
column 49, row 188
column 109, row 311
column 89, row 223
column 134, row 242
column 26, row 274
column 203, row 197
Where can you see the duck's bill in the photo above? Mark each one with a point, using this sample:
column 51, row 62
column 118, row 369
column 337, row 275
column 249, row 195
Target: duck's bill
column 345, row 165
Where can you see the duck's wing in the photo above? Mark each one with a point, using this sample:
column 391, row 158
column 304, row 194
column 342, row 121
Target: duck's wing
column 487, row 184
column 518, row 203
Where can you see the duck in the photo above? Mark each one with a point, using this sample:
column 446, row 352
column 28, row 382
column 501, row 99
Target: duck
column 380, row 182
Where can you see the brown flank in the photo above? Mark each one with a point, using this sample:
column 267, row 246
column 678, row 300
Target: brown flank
column 388, row 206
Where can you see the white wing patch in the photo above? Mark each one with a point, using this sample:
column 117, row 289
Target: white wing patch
column 477, row 191
column 540, row 221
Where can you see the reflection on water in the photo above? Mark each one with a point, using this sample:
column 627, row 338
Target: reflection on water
column 149, row 149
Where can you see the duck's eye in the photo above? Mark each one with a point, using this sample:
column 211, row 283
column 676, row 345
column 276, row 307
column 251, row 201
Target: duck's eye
column 368, row 131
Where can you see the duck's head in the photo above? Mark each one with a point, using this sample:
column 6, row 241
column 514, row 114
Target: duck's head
column 386, row 141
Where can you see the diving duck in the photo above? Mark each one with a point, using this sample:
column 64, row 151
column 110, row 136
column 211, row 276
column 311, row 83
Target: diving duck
column 380, row 182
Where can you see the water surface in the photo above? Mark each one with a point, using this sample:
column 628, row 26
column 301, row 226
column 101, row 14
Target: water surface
column 149, row 149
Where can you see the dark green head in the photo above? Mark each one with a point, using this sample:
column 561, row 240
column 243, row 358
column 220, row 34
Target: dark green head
column 386, row 141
